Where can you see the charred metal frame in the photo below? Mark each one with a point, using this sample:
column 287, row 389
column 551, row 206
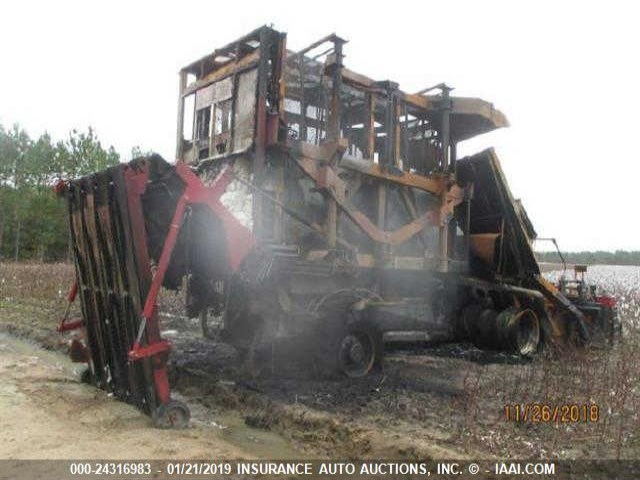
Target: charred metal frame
column 317, row 80
column 375, row 154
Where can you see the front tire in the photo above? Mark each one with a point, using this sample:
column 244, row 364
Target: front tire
column 173, row 414
column 348, row 350
column 210, row 324
column 357, row 353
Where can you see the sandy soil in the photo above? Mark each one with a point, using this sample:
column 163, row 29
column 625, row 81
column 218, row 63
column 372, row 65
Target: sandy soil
column 47, row 413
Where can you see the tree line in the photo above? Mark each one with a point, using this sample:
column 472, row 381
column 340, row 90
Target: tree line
column 599, row 257
column 33, row 222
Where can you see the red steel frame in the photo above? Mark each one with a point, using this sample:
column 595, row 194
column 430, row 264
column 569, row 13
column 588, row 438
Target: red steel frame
column 239, row 239
column 239, row 243
column 64, row 325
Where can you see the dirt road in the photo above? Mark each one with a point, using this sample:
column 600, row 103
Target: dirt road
column 47, row 413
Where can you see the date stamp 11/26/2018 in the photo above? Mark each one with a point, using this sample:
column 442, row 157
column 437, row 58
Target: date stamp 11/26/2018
column 550, row 413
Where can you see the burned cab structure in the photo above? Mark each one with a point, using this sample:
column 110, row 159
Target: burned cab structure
column 311, row 204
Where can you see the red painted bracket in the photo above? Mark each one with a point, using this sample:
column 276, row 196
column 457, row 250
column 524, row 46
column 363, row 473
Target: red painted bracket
column 64, row 325
column 239, row 238
column 139, row 353
column 239, row 243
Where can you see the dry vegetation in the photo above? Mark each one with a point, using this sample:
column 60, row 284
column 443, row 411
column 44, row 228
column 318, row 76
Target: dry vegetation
column 608, row 378
column 32, row 297
column 452, row 396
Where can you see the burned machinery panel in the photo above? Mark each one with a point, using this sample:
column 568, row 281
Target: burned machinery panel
column 326, row 158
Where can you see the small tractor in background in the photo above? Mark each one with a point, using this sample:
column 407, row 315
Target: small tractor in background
column 600, row 310
column 313, row 206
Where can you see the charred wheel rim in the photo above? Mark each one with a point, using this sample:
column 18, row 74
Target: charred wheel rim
column 211, row 324
column 356, row 354
column 173, row 414
column 526, row 332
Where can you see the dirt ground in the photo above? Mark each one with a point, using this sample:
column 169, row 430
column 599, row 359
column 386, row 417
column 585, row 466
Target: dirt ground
column 47, row 413
column 424, row 403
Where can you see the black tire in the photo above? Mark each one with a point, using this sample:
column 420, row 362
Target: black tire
column 204, row 324
column 173, row 414
column 614, row 330
column 86, row 376
column 207, row 331
column 349, row 350
column 346, row 345
column 357, row 353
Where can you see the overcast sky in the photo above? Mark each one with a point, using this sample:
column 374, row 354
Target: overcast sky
column 565, row 74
